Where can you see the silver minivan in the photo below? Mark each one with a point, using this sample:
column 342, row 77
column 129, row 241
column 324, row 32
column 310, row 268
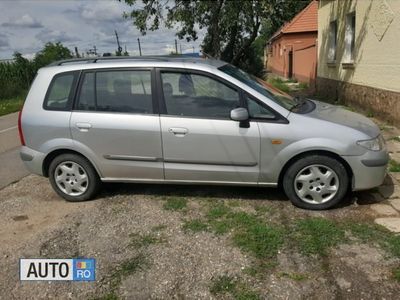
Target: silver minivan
column 191, row 121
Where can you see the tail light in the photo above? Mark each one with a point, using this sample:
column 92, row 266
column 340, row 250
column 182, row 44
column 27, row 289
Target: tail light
column 21, row 134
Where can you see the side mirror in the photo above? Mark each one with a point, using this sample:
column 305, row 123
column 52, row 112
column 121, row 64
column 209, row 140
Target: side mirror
column 239, row 114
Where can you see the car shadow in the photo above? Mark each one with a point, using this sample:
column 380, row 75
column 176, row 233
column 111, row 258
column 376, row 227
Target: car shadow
column 202, row 191
column 373, row 196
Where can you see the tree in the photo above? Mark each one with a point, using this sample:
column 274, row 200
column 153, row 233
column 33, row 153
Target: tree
column 232, row 25
column 50, row 53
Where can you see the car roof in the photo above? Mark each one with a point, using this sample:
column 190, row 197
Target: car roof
column 178, row 61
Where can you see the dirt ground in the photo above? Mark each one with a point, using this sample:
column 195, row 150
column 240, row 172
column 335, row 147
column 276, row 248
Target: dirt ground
column 143, row 250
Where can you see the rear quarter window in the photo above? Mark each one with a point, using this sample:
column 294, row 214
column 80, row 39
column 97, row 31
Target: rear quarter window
column 61, row 91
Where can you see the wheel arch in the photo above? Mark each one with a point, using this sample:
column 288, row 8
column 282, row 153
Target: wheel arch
column 53, row 154
column 316, row 152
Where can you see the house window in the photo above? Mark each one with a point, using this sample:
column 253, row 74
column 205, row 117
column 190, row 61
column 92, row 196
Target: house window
column 332, row 41
column 349, row 39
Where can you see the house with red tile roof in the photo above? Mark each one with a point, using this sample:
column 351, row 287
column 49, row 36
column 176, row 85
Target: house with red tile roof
column 292, row 50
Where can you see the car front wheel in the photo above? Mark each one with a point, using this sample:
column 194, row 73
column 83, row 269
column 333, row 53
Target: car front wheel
column 316, row 182
column 73, row 177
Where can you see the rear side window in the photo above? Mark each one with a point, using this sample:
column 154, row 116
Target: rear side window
column 117, row 91
column 61, row 92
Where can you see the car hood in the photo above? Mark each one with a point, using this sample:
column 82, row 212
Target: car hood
column 342, row 116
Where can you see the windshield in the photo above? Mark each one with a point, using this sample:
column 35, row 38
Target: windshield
column 260, row 86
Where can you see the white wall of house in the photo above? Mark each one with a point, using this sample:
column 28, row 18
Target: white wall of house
column 375, row 60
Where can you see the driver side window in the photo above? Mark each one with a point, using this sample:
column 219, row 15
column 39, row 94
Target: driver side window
column 195, row 95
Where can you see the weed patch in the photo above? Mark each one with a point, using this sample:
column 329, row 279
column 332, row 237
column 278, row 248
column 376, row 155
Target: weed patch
column 128, row 267
column 175, row 203
column 261, row 240
column 217, row 210
column 395, row 138
column 394, row 166
column 317, row 235
column 196, row 225
column 238, row 290
column 279, row 84
column 376, row 234
column 8, row 106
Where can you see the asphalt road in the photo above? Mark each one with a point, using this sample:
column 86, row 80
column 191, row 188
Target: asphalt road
column 11, row 167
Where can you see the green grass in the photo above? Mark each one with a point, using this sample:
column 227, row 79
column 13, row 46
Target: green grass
column 394, row 166
column 175, row 203
column 217, row 210
column 138, row 241
column 375, row 234
column 317, row 235
column 238, row 290
column 303, row 85
column 279, row 84
column 223, row 284
column 257, row 238
column 196, row 225
column 8, row 106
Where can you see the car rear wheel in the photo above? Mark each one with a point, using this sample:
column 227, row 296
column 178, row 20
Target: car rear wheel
column 316, row 182
column 73, row 177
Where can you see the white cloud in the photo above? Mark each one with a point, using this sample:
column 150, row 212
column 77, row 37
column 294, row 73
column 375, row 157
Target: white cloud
column 25, row 21
column 47, row 35
column 102, row 11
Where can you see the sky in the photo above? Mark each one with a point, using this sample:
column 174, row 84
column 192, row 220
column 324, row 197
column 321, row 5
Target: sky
column 26, row 25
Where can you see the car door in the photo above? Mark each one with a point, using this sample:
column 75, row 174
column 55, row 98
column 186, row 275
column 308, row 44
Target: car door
column 117, row 124
column 200, row 141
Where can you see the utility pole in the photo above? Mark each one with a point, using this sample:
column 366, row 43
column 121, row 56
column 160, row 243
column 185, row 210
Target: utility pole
column 140, row 48
column 77, row 52
column 180, row 48
column 119, row 46
column 176, row 47
column 95, row 50
column 193, row 49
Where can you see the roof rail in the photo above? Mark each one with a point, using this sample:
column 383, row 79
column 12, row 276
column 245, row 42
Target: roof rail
column 98, row 59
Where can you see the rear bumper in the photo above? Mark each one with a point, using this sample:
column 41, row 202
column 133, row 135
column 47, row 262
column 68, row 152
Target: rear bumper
column 369, row 170
column 32, row 159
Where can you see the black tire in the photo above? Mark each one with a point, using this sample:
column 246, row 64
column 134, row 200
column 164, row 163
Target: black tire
column 93, row 184
column 299, row 165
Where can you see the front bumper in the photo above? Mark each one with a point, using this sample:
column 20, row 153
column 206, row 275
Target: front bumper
column 369, row 169
column 32, row 159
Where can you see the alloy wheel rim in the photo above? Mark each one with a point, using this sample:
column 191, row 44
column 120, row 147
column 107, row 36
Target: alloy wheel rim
column 316, row 184
column 71, row 178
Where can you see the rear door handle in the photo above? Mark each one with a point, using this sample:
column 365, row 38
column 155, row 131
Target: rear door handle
column 178, row 131
column 83, row 126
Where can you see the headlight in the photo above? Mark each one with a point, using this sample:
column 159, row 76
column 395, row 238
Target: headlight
column 375, row 144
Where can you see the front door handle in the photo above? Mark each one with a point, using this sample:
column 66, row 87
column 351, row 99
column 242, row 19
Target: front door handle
column 178, row 131
column 83, row 126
